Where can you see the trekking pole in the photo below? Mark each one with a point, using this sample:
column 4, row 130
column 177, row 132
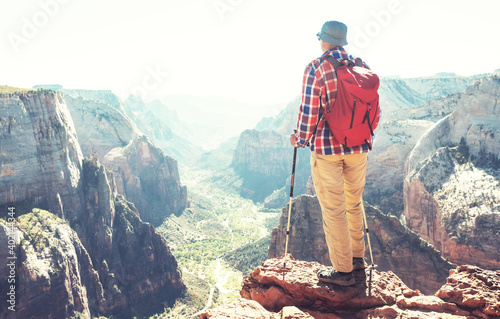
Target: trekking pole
column 367, row 231
column 290, row 203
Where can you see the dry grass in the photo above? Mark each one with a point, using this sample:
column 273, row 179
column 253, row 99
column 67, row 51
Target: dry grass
column 4, row 89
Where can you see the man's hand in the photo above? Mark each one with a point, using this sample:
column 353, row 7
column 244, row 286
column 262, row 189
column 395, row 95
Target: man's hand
column 292, row 140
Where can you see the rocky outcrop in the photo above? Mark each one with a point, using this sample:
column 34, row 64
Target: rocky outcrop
column 394, row 246
column 244, row 308
column 451, row 189
column 53, row 271
column 127, row 268
column 144, row 175
column 147, row 178
column 136, row 267
column 295, row 292
column 475, row 289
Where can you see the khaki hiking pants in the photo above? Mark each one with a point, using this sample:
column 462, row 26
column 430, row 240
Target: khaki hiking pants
column 339, row 181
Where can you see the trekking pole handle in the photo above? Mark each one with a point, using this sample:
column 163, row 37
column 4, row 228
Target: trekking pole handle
column 290, row 203
column 293, row 170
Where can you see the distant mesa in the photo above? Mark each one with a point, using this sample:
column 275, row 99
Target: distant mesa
column 445, row 75
column 53, row 87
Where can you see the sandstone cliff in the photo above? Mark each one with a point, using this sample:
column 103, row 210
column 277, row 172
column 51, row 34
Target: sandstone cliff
column 40, row 158
column 147, row 178
column 100, row 126
column 127, row 268
column 394, row 246
column 272, row 291
column 144, row 175
column 263, row 160
column 452, row 195
column 54, row 273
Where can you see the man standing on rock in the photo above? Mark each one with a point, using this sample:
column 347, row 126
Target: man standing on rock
column 338, row 171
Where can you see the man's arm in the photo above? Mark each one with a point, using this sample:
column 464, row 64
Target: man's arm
column 309, row 109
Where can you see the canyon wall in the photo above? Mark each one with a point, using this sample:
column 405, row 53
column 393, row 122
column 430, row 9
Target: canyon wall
column 452, row 180
column 144, row 174
column 91, row 253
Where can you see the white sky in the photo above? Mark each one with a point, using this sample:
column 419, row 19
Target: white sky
column 249, row 50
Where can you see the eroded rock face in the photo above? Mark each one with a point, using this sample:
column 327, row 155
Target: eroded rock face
column 144, row 174
column 474, row 288
column 54, row 273
column 40, row 157
column 126, row 266
column 394, row 246
column 100, row 126
column 147, row 178
column 295, row 292
column 135, row 265
column 451, row 190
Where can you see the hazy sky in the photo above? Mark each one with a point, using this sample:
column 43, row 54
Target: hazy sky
column 250, row 50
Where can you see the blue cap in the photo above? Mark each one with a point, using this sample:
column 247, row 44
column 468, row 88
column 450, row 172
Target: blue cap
column 334, row 33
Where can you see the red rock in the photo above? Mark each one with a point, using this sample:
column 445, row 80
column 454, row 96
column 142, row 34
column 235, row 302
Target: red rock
column 250, row 309
column 275, row 287
column 475, row 288
column 430, row 303
column 273, row 291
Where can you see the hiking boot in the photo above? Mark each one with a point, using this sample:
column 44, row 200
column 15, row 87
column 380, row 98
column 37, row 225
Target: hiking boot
column 344, row 279
column 358, row 263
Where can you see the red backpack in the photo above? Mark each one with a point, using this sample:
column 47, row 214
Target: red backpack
column 356, row 112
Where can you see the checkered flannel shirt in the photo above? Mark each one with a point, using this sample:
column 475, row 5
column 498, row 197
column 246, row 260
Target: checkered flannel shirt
column 313, row 88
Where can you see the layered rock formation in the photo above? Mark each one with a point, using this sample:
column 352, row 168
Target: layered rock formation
column 144, row 175
column 54, row 272
column 126, row 267
column 100, row 126
column 147, row 178
column 40, row 158
column 394, row 246
column 294, row 292
column 263, row 160
column 452, row 195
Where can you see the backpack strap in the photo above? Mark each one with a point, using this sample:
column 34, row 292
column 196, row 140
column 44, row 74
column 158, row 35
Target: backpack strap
column 327, row 102
column 336, row 63
column 359, row 62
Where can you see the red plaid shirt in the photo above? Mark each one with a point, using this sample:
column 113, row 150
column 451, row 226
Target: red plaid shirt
column 313, row 88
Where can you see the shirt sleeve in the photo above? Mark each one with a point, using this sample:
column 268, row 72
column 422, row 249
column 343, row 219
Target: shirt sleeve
column 309, row 108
